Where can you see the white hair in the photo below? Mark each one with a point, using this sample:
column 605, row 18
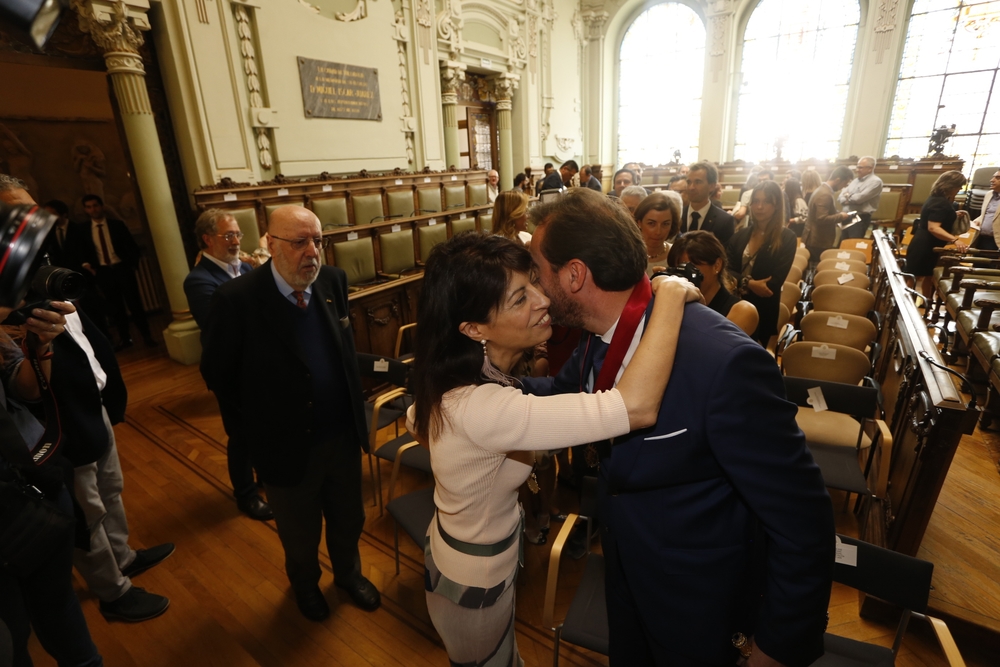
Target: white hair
column 868, row 158
column 633, row 191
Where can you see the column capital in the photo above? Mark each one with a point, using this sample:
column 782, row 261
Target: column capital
column 116, row 27
column 452, row 76
column 503, row 89
column 595, row 22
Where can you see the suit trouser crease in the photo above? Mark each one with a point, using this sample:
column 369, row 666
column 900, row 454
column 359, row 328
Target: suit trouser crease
column 330, row 490
column 98, row 488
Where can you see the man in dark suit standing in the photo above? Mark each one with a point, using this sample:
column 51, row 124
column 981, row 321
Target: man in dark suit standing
column 716, row 520
column 105, row 248
column 700, row 212
column 279, row 355
column 219, row 237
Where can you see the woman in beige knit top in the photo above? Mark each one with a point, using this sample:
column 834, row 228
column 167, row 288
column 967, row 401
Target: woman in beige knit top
column 479, row 310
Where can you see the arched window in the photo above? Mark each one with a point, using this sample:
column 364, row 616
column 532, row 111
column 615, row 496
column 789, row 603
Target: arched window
column 949, row 76
column 797, row 60
column 660, row 76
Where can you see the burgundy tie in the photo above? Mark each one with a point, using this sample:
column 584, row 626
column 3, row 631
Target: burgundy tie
column 300, row 300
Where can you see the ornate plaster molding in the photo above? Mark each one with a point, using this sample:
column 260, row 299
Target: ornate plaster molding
column 503, row 89
column 718, row 30
column 407, row 123
column 115, row 25
column 425, row 18
column 885, row 25
column 517, row 50
column 258, row 111
column 360, row 11
column 594, row 21
column 452, row 76
column 449, row 27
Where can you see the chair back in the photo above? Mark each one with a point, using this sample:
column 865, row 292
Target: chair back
column 794, row 275
column 843, row 253
column 840, row 328
column 791, row 294
column 332, row 212
column 888, row 207
column 430, row 236
column 800, row 262
column 848, row 399
column 367, row 209
column 396, row 251
column 384, row 369
column 843, row 299
column 922, row 185
column 825, row 361
column 463, row 225
column 888, row 575
column 842, row 265
column 429, row 200
column 357, row 259
column 477, row 194
column 246, row 218
column 834, row 277
column 730, row 197
column 802, row 252
column 861, row 245
column 400, row 203
column 783, row 315
column 486, row 221
column 454, row 196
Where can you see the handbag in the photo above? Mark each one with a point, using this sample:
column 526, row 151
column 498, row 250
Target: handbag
column 962, row 223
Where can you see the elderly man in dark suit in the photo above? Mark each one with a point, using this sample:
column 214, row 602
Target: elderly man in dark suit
column 700, row 212
column 716, row 520
column 105, row 247
column 219, row 238
column 279, row 355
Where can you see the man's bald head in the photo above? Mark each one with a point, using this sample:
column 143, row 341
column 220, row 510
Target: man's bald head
column 293, row 236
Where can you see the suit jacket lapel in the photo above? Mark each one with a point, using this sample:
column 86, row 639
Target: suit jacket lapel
column 216, row 271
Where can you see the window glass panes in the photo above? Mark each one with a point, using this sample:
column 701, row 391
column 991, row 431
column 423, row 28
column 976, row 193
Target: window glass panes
column 810, row 42
column 948, row 76
column 656, row 118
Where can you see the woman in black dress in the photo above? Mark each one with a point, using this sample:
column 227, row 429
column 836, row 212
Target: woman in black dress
column 702, row 249
column 934, row 229
column 761, row 255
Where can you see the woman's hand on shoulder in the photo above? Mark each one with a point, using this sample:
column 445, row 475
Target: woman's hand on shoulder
column 676, row 284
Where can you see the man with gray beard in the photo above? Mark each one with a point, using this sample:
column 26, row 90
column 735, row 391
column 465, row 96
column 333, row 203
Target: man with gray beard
column 279, row 355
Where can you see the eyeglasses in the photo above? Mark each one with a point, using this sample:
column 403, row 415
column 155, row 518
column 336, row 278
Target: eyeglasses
column 300, row 244
column 231, row 236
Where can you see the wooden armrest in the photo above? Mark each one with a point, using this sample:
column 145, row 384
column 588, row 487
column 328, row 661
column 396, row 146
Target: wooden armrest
column 396, row 464
column 987, row 305
column 552, row 580
column 885, row 457
column 399, row 336
column 381, row 400
column 970, row 287
column 946, row 641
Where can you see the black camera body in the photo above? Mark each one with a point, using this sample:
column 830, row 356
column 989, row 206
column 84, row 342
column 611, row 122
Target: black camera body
column 50, row 283
column 687, row 271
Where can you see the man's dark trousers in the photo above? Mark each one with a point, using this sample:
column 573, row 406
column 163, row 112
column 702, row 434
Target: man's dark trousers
column 121, row 288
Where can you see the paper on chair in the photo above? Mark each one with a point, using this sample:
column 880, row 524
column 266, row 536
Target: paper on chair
column 816, row 399
column 847, row 554
column 229, row 196
column 824, row 352
column 845, row 278
column 352, row 236
column 837, row 322
column 861, row 245
column 282, row 192
column 842, row 266
column 843, row 255
column 396, row 228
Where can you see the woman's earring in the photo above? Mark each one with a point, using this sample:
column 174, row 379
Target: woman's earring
column 490, row 372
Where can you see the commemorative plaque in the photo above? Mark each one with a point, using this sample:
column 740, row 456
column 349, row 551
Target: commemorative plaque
column 336, row 90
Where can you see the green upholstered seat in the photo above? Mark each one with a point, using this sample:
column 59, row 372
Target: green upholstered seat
column 922, row 184
column 397, row 251
column 477, row 194
column 429, row 200
column 400, row 203
column 895, row 177
column 429, row 237
column 357, row 259
column 988, row 345
column 888, row 207
column 332, row 213
column 459, row 226
column 486, row 221
column 454, row 196
column 246, row 218
column 367, row 209
column 967, row 319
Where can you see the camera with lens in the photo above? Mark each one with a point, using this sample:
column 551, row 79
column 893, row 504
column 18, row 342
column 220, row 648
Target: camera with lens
column 687, row 271
column 50, row 283
column 22, row 233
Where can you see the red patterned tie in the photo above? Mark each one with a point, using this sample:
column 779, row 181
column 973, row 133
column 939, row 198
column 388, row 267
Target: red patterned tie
column 300, row 300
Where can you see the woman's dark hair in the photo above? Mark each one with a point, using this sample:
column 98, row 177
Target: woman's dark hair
column 793, row 192
column 519, row 180
column 773, row 194
column 702, row 247
column 465, row 280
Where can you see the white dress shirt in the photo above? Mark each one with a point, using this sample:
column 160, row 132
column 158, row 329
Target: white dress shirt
column 96, row 229
column 231, row 268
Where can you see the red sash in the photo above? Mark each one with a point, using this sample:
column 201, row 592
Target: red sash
column 624, row 333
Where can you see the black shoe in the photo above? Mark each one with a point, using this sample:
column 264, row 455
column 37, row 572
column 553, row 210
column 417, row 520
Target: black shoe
column 362, row 592
column 124, row 344
column 313, row 605
column 255, row 507
column 136, row 605
column 147, row 558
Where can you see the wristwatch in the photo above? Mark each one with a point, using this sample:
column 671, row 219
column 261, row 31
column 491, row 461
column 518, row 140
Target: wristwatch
column 742, row 644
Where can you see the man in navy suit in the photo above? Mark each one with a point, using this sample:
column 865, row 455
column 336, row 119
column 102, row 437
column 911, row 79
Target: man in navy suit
column 700, row 212
column 219, row 237
column 716, row 520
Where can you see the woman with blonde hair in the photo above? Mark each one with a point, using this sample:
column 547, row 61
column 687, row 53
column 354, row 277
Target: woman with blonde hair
column 810, row 181
column 935, row 229
column 510, row 216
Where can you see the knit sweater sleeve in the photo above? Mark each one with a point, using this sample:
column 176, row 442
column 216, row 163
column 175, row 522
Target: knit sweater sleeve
column 502, row 419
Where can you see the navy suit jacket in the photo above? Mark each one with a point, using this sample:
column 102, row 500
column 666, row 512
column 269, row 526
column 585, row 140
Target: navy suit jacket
column 717, row 221
column 253, row 363
column 685, row 503
column 200, row 285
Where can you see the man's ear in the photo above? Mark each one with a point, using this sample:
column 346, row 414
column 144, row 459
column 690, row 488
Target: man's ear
column 576, row 273
column 472, row 330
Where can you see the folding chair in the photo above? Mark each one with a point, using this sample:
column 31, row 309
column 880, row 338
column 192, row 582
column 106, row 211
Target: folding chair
column 413, row 512
column 842, row 265
column 843, row 254
column 834, row 277
column 843, row 299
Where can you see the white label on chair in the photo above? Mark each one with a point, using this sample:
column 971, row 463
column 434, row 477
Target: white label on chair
column 739, row 168
column 847, row 554
column 845, row 278
column 728, row 187
column 396, row 228
column 816, row 399
column 229, row 196
column 824, row 352
column 461, row 216
column 861, row 245
column 836, row 322
column 352, row 236
column 939, row 166
column 885, row 190
column 842, row 266
column 327, row 188
column 843, row 255
column 381, row 366
column 427, row 179
column 399, row 181
column 282, row 192
column 454, row 178
column 432, row 222
column 489, row 211
column 893, row 167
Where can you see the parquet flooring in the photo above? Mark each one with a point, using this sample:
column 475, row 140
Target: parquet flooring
column 230, row 600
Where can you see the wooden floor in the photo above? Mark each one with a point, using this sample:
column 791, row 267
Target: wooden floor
column 231, row 604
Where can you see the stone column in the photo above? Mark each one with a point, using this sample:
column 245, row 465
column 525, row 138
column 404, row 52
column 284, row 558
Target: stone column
column 452, row 76
column 115, row 26
column 597, row 132
column 504, row 87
